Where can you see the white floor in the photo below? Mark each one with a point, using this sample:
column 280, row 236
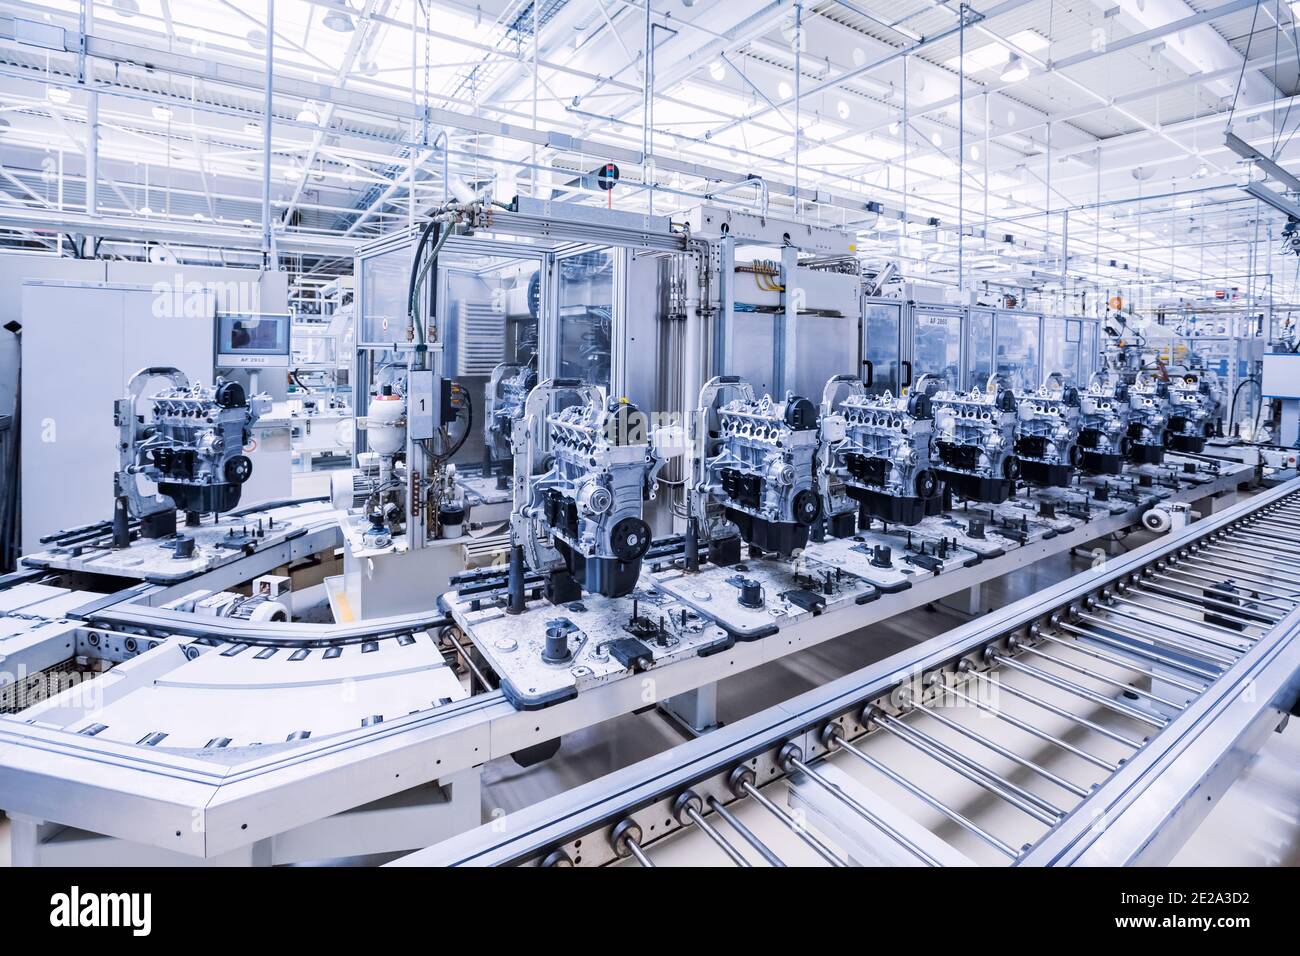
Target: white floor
column 1257, row 823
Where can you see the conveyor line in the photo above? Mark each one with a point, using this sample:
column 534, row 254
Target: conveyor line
column 1024, row 742
column 49, row 770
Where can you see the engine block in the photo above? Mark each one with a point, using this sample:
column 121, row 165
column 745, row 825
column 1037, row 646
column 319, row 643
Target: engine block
column 1103, row 426
column 1194, row 409
column 975, row 439
column 588, row 498
column 758, row 464
column 191, row 444
column 875, row 456
column 1148, row 418
column 1047, row 434
column 506, row 393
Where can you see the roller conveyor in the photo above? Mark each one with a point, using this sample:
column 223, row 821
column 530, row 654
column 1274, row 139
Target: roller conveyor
column 1031, row 737
column 51, row 770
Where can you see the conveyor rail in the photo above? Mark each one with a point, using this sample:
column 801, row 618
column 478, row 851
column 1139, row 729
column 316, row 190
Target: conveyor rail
column 1006, row 748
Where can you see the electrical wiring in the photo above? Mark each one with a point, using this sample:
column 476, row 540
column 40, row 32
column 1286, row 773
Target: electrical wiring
column 421, row 266
column 1232, row 406
column 468, row 406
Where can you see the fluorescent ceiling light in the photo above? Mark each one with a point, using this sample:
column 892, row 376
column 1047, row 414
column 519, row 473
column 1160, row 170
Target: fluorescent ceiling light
column 720, row 100
column 821, row 130
column 981, row 58
column 990, row 56
column 940, row 167
column 873, row 147
column 818, row 154
column 1030, row 41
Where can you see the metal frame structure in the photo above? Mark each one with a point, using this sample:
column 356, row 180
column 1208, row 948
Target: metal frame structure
column 418, row 134
column 541, row 231
column 75, row 792
column 969, row 348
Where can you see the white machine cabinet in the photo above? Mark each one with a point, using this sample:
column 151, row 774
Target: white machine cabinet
column 81, row 342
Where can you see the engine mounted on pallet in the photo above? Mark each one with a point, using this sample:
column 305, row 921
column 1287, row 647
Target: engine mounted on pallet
column 1103, row 425
column 974, row 439
column 1148, row 419
column 587, row 493
column 191, row 445
column 1194, row 402
column 757, row 464
column 1047, row 433
column 875, row 456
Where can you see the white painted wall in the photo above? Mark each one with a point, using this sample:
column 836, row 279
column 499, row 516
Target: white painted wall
column 82, row 343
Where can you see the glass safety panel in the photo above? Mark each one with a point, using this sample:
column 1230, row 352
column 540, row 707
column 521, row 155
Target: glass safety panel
column 1089, row 352
column 1062, row 339
column 586, row 316
column 488, row 308
column 385, row 282
column 881, row 332
column 1016, row 355
column 936, row 345
column 980, row 351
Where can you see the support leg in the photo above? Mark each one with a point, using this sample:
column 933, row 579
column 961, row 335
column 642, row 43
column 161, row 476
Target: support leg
column 694, row 712
column 967, row 601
